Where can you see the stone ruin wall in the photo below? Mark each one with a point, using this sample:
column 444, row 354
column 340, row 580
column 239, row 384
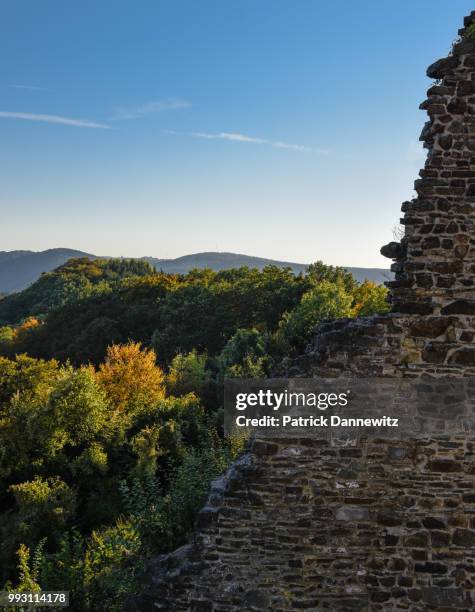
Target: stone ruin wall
column 302, row 524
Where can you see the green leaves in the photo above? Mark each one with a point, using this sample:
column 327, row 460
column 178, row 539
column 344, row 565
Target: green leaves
column 327, row 300
column 244, row 355
column 187, row 373
column 75, row 280
column 111, row 462
column 77, row 410
column 45, row 507
column 68, row 438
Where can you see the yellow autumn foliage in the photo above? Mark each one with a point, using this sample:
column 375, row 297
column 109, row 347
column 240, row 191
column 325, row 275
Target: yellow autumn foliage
column 131, row 377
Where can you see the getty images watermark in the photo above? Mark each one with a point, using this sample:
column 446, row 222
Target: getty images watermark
column 294, row 399
column 349, row 408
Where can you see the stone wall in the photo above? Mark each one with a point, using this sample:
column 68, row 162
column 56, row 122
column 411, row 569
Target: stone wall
column 305, row 524
column 302, row 525
column 434, row 263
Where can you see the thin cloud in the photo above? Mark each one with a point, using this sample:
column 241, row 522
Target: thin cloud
column 157, row 106
column 293, row 147
column 237, row 137
column 29, row 87
column 53, row 119
column 228, row 136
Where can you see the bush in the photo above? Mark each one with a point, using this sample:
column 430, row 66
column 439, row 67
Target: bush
column 164, row 520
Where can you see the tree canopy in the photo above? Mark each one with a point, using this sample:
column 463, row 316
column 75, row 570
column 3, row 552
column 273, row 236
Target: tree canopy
column 111, row 381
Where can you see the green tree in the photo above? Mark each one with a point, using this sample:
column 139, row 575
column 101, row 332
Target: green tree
column 45, row 507
column 370, row 299
column 77, row 411
column 75, row 280
column 7, row 334
column 244, row 355
column 327, row 300
column 319, row 272
column 26, row 375
column 187, row 373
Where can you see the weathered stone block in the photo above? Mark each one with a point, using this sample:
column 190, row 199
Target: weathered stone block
column 430, row 327
column 441, row 67
column 352, row 514
column 433, row 522
column 464, row 538
column 439, row 539
column 457, row 106
column 431, row 567
column 417, row 540
column 437, row 597
column 432, row 242
column 460, row 307
column 389, row 519
column 464, row 357
column 381, row 596
column 393, row 250
column 446, row 267
column 435, row 352
column 424, row 280
column 258, row 598
column 420, row 308
column 445, row 281
column 444, row 465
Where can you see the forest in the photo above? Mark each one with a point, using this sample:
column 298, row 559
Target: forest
column 111, row 378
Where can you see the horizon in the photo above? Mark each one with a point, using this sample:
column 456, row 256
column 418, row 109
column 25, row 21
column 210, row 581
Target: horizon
column 101, row 256
column 171, row 127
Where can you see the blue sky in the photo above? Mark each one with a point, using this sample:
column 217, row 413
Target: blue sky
column 280, row 128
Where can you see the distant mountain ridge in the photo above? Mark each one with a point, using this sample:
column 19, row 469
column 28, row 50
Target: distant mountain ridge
column 19, row 269
column 217, row 261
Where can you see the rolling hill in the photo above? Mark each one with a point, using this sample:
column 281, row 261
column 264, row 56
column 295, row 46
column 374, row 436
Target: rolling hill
column 223, row 261
column 19, row 269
